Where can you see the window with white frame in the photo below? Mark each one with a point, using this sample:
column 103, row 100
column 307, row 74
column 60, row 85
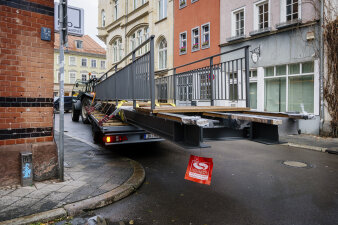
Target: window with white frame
column 93, row 63
column 72, row 60
column 103, row 64
column 137, row 39
column 205, row 36
column 162, row 6
column 57, row 59
column 289, row 88
column 117, row 50
column 79, row 44
column 146, row 36
column 185, row 87
column 253, row 89
column 262, row 15
column 135, row 4
column 183, row 42
column 192, row 1
column 162, row 55
column 103, row 18
column 195, row 39
column 92, row 76
column 238, row 23
column 72, row 77
column 183, row 3
column 84, row 77
column 84, row 62
column 133, row 41
column 116, row 9
column 205, row 89
column 291, row 10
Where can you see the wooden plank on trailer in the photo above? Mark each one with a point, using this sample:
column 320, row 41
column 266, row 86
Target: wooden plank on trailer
column 279, row 114
column 191, row 120
column 192, row 109
column 247, row 117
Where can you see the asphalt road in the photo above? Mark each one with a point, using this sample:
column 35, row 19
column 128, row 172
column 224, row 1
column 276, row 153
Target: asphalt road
column 250, row 185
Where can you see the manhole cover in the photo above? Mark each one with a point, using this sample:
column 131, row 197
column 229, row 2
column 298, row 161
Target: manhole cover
column 295, row 164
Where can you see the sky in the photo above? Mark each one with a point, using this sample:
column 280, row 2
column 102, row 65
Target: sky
column 90, row 8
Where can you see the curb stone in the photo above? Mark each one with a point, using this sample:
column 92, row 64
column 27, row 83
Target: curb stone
column 79, row 207
column 319, row 149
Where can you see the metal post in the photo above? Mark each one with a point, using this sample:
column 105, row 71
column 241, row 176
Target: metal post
column 61, row 106
column 247, row 81
column 116, row 99
column 174, row 83
column 321, row 66
column 151, row 73
column 211, row 82
column 133, row 75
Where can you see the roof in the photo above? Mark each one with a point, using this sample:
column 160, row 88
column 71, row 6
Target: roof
column 88, row 46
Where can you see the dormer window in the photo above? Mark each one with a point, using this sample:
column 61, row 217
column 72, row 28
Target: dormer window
column 79, row 44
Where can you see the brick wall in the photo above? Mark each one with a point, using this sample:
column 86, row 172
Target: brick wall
column 26, row 77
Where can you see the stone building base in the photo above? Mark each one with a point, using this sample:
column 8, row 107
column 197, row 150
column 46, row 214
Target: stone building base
column 45, row 162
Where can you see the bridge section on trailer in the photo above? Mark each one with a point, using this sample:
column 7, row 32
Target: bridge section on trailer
column 188, row 125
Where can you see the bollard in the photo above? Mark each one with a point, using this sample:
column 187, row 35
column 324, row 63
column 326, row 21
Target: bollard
column 26, row 169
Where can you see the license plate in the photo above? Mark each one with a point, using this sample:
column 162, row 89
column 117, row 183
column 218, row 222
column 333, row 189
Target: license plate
column 150, row 136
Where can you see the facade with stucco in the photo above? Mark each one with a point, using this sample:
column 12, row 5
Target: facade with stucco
column 284, row 57
column 124, row 25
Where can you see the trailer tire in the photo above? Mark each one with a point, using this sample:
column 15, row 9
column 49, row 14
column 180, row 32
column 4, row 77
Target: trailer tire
column 84, row 116
column 75, row 114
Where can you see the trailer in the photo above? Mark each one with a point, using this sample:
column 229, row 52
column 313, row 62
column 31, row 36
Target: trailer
column 206, row 103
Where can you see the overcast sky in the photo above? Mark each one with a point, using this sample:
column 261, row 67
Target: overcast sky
column 90, row 16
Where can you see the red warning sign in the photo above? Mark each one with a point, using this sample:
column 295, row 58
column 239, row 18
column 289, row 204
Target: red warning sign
column 199, row 170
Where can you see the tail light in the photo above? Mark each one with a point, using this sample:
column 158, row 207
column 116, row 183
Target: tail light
column 115, row 138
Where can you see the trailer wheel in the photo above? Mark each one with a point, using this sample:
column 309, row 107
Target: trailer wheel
column 84, row 116
column 75, row 114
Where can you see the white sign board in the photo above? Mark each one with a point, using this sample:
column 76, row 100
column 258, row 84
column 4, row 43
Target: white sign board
column 75, row 20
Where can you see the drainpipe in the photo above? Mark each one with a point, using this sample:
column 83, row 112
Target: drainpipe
column 321, row 69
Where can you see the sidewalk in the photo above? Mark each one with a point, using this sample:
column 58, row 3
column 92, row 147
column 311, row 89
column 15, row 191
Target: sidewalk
column 311, row 142
column 93, row 178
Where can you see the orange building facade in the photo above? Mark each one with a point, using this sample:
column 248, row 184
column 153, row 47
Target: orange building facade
column 196, row 32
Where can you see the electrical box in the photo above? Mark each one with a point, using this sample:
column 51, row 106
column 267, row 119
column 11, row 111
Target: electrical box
column 26, row 169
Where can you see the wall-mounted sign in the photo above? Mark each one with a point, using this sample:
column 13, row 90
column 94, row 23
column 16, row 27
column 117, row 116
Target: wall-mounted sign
column 75, row 20
column 45, row 34
column 255, row 54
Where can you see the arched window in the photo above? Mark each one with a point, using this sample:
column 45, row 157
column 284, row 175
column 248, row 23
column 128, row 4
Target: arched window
column 117, row 50
column 103, row 18
column 162, row 55
column 137, row 38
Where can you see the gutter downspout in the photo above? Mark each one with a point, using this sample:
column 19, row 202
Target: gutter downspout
column 321, row 69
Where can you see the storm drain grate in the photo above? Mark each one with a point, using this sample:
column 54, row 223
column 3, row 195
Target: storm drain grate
column 295, row 164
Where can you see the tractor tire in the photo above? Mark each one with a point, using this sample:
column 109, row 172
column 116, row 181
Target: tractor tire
column 84, row 116
column 75, row 114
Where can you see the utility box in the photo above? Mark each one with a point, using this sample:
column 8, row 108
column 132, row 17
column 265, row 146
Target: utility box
column 26, row 169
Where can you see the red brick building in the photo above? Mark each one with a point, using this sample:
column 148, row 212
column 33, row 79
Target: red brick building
column 26, row 89
column 196, row 31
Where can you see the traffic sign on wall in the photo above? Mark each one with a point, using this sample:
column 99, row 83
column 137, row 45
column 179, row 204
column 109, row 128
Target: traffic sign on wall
column 75, row 20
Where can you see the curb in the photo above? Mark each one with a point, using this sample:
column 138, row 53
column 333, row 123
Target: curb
column 76, row 208
column 314, row 148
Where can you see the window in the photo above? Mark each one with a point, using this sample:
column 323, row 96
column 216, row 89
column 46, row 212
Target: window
column 262, row 15
column 103, row 64
column 72, row 60
column 133, row 41
column 92, row 76
column 79, row 44
column 206, row 36
column 253, row 89
column 72, row 76
column 93, row 61
column 162, row 55
column 57, row 59
column 84, row 62
column 239, row 23
column 103, row 18
column 185, row 87
column 183, row 43
column 183, row 3
column 162, row 6
column 205, row 86
column 146, row 36
column 84, row 77
column 290, row 88
column 137, row 39
column 135, row 4
column 192, row 1
column 116, row 9
column 291, row 10
column 117, row 50
column 233, row 87
column 195, row 39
